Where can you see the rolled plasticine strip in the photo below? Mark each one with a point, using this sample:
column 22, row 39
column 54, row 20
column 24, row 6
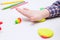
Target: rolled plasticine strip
column 19, row 5
column 12, row 5
column 18, row 0
column 5, row 3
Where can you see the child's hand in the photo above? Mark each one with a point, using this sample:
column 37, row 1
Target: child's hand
column 34, row 15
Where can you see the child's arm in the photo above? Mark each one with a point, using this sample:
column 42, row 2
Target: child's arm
column 54, row 9
column 36, row 15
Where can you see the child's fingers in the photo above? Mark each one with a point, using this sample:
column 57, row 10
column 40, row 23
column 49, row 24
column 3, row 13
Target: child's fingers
column 26, row 9
column 20, row 10
column 23, row 11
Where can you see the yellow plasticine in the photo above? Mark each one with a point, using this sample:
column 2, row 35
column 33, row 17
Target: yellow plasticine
column 8, row 3
column 43, row 20
column 4, row 3
column 12, row 2
column 18, row 0
column 44, row 32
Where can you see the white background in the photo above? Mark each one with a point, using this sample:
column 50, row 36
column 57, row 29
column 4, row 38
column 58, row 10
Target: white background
column 26, row 30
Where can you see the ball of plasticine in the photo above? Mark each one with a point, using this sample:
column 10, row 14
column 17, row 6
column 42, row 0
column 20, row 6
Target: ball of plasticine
column 18, row 20
column 42, row 20
column 45, row 33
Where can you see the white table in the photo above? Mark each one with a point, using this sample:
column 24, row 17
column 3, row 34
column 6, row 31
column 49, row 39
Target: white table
column 26, row 30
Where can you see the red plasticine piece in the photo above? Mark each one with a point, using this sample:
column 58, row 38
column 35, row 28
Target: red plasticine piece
column 19, row 5
column 1, row 22
column 0, row 28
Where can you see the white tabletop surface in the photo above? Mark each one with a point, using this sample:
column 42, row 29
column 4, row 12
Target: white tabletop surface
column 26, row 30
